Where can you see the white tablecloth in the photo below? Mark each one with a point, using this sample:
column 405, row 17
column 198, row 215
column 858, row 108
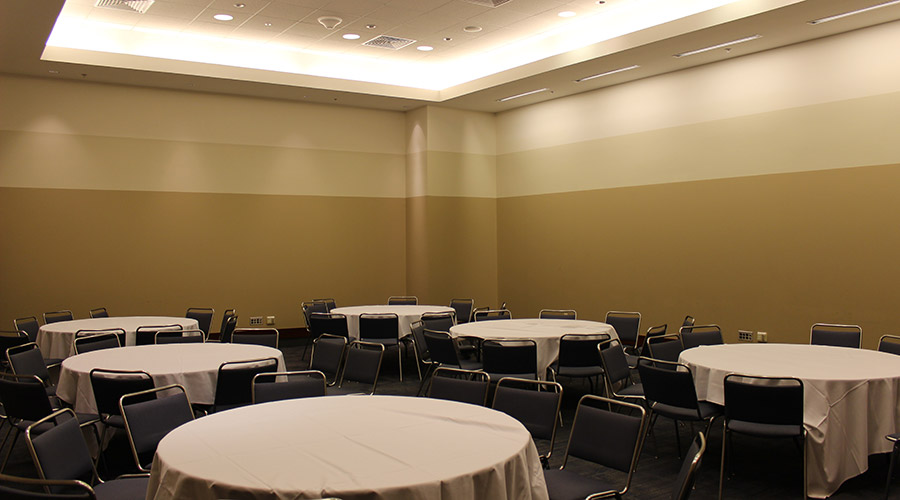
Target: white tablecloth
column 195, row 366
column 850, row 399
column 351, row 447
column 55, row 339
column 545, row 333
column 406, row 314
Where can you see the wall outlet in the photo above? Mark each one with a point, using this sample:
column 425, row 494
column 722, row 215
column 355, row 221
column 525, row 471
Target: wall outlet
column 762, row 337
column 745, row 336
column 255, row 320
column 270, row 320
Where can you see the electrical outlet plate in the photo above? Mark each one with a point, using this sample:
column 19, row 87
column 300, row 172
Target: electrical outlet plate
column 255, row 320
column 762, row 337
column 270, row 320
column 745, row 336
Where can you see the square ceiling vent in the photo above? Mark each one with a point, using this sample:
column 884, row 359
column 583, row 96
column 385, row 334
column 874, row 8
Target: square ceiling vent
column 489, row 3
column 139, row 6
column 389, row 42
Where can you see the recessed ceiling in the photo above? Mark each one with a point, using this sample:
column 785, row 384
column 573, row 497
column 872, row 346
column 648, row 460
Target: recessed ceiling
column 279, row 48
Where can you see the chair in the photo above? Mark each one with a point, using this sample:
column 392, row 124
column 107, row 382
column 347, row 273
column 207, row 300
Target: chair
column 889, row 343
column 56, row 316
column 179, row 337
column 363, row 363
column 579, row 357
column 10, row 339
column 234, row 382
column 694, row 336
column 329, row 303
column 557, row 314
column 328, row 355
column 229, row 313
column 109, row 386
column 29, row 325
column 835, row 335
column 510, row 358
column 465, row 386
column 383, row 329
column 26, row 359
column 617, row 373
column 688, row 321
column 99, row 312
column 687, row 475
column 534, row 403
column 59, row 452
column 627, row 326
column 146, row 334
column 403, row 300
column 277, row 386
column 423, row 357
column 203, row 315
column 151, row 414
column 492, row 314
column 307, row 309
column 665, row 347
column 228, row 327
column 330, row 323
column 94, row 340
column 35, row 489
column 439, row 322
column 604, row 437
column 669, row 391
column 767, row 407
column 895, row 451
column 653, row 331
column 257, row 336
column 463, row 308
column 443, row 351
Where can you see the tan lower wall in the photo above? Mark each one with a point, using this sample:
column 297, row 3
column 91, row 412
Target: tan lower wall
column 149, row 253
column 772, row 253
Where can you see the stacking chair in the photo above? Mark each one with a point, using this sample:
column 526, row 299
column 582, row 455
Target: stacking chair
column 579, row 357
column 465, row 386
column 895, row 451
column 766, row 407
column 203, row 315
column 362, row 364
column 653, row 331
column 99, row 312
column 27, row 488
column 94, row 340
column 607, row 438
column 315, row 306
column 228, row 326
column 383, row 329
column 509, row 358
column 257, row 336
column 179, row 337
column 403, row 300
column 889, row 343
column 665, row 347
column 617, row 373
column 443, row 351
column 463, row 308
column 229, row 313
column 628, row 326
column 439, row 322
column 318, row 323
column 492, row 314
column 59, row 452
column 56, row 316
column 328, row 355
column 146, row 334
column 670, row 392
column 234, row 382
column 30, row 326
column 423, row 357
column 10, row 339
column 108, row 387
column 151, row 414
column 693, row 336
column 26, row 359
column 688, row 321
column 687, row 475
column 534, row 403
column 329, row 303
column 558, row 314
column 276, row 386
column 835, row 335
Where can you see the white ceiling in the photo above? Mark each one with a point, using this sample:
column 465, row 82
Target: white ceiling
column 277, row 48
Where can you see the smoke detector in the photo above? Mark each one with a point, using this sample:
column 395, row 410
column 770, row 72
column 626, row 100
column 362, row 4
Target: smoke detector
column 330, row 21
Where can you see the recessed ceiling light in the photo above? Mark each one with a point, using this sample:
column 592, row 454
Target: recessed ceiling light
column 852, row 12
column 472, row 29
column 601, row 2
column 425, row 48
column 567, row 13
column 523, row 94
column 240, row 5
column 611, row 72
column 350, row 36
column 371, row 26
column 718, row 46
column 223, row 17
column 447, row 39
column 267, row 25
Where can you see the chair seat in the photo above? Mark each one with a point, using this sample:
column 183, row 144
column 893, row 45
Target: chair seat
column 384, row 342
column 706, row 410
column 83, row 420
column 498, row 376
column 632, row 390
column 467, row 364
column 765, row 430
column 123, row 489
column 565, row 485
column 578, row 371
column 114, row 421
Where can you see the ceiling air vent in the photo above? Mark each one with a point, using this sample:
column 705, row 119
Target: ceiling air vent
column 389, row 42
column 489, row 3
column 139, row 6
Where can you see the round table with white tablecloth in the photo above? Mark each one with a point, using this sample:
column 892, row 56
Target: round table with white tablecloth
column 55, row 339
column 350, row 447
column 851, row 398
column 195, row 366
column 406, row 315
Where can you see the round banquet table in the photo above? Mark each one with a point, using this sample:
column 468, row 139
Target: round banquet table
column 55, row 339
column 351, row 447
column 850, row 399
column 195, row 366
column 406, row 314
column 545, row 333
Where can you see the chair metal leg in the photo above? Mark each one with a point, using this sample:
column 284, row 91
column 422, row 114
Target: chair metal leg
column 722, row 463
column 9, row 451
column 677, row 439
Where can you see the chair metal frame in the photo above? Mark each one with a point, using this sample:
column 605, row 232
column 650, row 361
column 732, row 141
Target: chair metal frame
column 87, row 493
column 423, row 357
column 558, row 314
column 325, row 338
column 248, row 333
column 29, row 325
column 203, row 315
column 349, row 358
column 516, row 386
column 688, row 473
column 20, row 352
column 626, row 316
column 463, row 303
column 462, row 381
column 307, row 375
column 836, row 328
column 889, row 343
column 403, row 300
column 622, row 373
column 142, row 398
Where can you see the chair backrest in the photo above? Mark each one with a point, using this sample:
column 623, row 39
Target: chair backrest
column 330, row 323
column 764, row 400
column 56, row 316
column 146, row 334
column 580, row 349
column 228, row 328
column 439, row 322
column 309, row 307
column 11, row 339
column 379, row 326
column 203, row 315
column 534, row 403
column 94, row 340
column 688, row 321
column 558, row 314
column 363, row 363
column 228, row 313
column 24, row 397
column 665, row 347
column 889, row 343
column 257, row 336
column 510, row 357
column 58, row 448
column 147, row 421
column 492, row 314
column 35, row 489
column 441, row 347
column 668, row 383
column 403, row 300
column 607, row 437
column 276, row 386
column 234, row 383
column 110, row 385
column 694, row 336
column 627, row 325
column 465, row 386
column 463, row 308
column 328, row 355
column 614, row 362
column 179, row 337
column 26, row 359
column 99, row 312
column 28, row 325
column 329, row 303
column 835, row 335
column 689, row 466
